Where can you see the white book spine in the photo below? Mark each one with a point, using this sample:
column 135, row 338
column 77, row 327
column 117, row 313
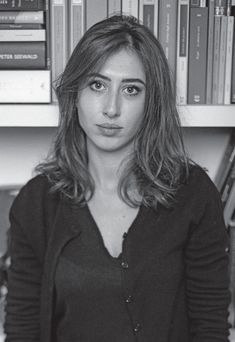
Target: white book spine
column 22, row 35
column 25, row 86
column 59, row 38
column 76, row 22
column 182, row 52
column 228, row 62
column 130, row 7
column 114, row 7
column 18, row 17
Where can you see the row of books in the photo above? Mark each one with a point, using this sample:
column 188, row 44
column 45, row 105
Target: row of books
column 38, row 36
column 25, row 70
column 225, row 182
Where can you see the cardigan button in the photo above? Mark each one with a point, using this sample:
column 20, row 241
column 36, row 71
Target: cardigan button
column 124, row 265
column 129, row 299
column 137, row 327
column 124, row 235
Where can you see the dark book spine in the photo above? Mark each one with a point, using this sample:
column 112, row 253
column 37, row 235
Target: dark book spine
column 22, row 5
column 24, row 26
column 23, row 55
column 197, row 55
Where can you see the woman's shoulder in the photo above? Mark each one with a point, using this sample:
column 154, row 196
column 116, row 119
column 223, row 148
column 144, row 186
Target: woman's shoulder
column 200, row 180
column 199, row 189
column 35, row 196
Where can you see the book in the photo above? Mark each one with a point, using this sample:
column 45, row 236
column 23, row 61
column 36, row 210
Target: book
column 228, row 61
column 233, row 65
column 182, row 52
column 197, row 55
column 24, row 26
column 19, row 17
column 229, row 205
column 148, row 14
column 209, row 71
column 59, row 38
column 19, row 5
column 167, row 31
column 48, row 34
column 130, row 7
column 226, row 163
column 76, row 13
column 216, row 50
column 22, row 35
column 228, row 183
column 222, row 58
column 25, row 86
column 114, row 7
column 23, row 55
column 95, row 11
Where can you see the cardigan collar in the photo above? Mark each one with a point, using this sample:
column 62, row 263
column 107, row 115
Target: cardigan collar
column 64, row 229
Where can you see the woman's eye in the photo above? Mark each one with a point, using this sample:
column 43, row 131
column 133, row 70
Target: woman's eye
column 97, row 85
column 132, row 90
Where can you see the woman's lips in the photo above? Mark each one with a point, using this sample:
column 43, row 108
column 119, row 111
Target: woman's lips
column 108, row 129
column 109, row 126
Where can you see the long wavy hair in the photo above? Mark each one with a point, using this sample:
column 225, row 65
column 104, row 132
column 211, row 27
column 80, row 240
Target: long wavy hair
column 159, row 163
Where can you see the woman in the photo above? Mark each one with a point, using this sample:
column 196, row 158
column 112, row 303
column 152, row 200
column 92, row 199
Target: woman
column 120, row 237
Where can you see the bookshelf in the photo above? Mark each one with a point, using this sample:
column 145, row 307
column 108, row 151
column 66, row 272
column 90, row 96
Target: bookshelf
column 46, row 115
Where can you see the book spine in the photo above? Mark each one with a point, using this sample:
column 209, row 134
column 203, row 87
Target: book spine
column 23, row 55
column 25, row 26
column 230, row 204
column 226, row 163
column 76, row 22
column 197, row 55
column 148, row 15
column 48, row 34
column 215, row 77
column 130, row 7
column 25, row 86
column 211, row 11
column 21, row 5
column 182, row 52
column 228, row 62
column 59, row 48
column 233, row 66
column 114, row 7
column 22, row 17
column 22, row 35
column 222, row 58
column 167, row 33
column 95, row 11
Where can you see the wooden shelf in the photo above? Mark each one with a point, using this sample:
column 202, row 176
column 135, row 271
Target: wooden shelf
column 46, row 115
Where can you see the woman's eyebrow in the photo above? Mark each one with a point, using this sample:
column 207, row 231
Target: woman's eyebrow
column 125, row 80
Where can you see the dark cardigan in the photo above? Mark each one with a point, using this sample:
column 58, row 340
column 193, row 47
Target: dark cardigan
column 182, row 290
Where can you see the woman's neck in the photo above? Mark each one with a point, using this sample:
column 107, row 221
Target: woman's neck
column 105, row 169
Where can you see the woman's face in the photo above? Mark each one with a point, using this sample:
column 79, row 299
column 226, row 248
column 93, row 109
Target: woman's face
column 111, row 105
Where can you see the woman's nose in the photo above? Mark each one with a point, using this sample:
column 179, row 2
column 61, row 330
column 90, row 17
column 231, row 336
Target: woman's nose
column 112, row 105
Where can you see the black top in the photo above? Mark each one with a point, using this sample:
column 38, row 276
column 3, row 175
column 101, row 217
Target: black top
column 91, row 304
column 175, row 266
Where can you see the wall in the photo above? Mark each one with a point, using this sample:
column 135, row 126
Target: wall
column 22, row 148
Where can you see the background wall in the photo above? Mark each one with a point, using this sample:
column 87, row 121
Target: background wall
column 22, row 148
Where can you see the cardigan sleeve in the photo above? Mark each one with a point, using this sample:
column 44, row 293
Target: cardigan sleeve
column 207, row 272
column 22, row 323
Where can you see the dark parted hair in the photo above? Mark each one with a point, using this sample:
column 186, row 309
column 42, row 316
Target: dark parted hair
column 159, row 162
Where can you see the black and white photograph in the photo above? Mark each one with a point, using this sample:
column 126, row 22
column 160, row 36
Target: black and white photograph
column 117, row 170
